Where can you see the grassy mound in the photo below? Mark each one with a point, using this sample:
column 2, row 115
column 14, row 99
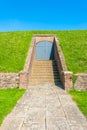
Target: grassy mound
column 14, row 47
column 74, row 46
column 13, row 50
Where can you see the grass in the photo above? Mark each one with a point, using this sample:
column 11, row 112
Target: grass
column 13, row 50
column 8, row 99
column 80, row 97
column 74, row 78
column 14, row 47
column 74, row 46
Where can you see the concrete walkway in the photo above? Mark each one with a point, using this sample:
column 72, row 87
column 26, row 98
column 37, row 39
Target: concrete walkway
column 45, row 107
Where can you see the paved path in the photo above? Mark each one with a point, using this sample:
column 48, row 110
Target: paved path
column 45, row 107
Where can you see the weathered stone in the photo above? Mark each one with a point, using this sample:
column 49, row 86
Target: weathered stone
column 55, row 111
column 57, row 123
column 9, row 80
column 33, row 126
column 81, row 82
column 25, row 73
column 36, row 115
column 12, row 124
column 66, row 78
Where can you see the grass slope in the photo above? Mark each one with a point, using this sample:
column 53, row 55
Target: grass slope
column 14, row 48
column 81, row 99
column 74, row 46
column 8, row 99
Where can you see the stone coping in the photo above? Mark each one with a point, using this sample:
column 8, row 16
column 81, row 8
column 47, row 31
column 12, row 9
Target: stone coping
column 81, row 74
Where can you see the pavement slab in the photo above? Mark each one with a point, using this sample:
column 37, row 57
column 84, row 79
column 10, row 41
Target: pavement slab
column 45, row 107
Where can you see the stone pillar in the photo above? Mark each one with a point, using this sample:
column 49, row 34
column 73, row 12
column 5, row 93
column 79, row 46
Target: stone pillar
column 67, row 80
column 23, row 79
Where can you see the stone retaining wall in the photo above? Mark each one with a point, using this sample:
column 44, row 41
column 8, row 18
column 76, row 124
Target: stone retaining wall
column 26, row 72
column 65, row 75
column 9, row 80
column 81, row 82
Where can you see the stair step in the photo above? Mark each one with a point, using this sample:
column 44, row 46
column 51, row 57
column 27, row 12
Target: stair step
column 35, row 83
column 44, row 71
column 43, row 63
column 44, row 68
column 46, row 74
column 43, row 77
column 50, row 67
column 49, row 61
column 43, row 81
column 30, row 83
column 38, row 64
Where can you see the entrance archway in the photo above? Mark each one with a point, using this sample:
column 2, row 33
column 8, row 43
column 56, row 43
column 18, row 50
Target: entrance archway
column 45, row 50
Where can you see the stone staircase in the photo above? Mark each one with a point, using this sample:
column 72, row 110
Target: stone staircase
column 44, row 71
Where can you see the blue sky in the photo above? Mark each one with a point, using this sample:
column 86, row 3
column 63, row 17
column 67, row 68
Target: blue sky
column 43, row 15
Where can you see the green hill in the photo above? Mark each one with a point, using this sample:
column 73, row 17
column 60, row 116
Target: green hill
column 14, row 47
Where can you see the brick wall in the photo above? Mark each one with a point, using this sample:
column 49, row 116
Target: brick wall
column 65, row 75
column 26, row 72
column 9, row 80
